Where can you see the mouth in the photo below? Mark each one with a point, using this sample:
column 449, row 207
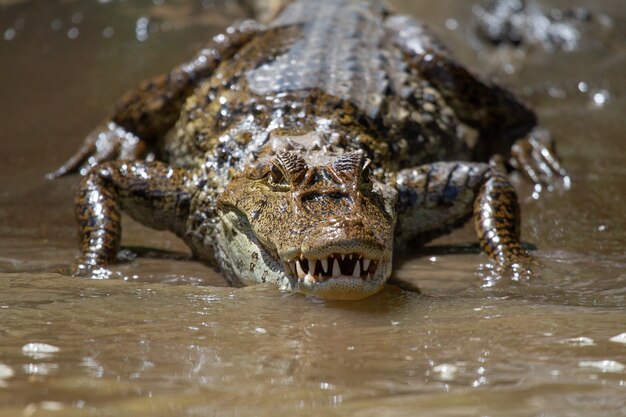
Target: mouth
column 333, row 266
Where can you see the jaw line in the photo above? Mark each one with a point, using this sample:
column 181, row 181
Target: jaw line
column 342, row 287
column 330, row 288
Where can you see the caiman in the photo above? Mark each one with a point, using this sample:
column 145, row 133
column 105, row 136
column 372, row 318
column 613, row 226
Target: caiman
column 305, row 151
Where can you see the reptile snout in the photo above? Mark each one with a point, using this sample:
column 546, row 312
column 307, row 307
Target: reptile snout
column 343, row 235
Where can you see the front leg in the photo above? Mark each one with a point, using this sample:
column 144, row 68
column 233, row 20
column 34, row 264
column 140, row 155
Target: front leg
column 435, row 198
column 153, row 193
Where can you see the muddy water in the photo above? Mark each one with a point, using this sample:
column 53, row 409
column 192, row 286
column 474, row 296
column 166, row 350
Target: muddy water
column 172, row 340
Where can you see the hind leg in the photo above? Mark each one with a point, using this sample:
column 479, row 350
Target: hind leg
column 144, row 115
column 507, row 126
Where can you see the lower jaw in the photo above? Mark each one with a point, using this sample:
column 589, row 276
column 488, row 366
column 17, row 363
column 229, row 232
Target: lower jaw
column 341, row 288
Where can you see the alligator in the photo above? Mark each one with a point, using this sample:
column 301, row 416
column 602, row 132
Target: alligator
column 306, row 151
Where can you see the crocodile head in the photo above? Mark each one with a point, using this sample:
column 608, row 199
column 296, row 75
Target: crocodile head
column 316, row 222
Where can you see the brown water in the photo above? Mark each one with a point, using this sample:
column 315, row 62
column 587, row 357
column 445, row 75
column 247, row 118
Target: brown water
column 174, row 341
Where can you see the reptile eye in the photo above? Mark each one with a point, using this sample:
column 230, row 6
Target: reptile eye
column 277, row 177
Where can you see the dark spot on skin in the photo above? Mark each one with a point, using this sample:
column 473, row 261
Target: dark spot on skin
column 450, row 193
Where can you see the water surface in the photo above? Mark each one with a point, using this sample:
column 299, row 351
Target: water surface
column 173, row 340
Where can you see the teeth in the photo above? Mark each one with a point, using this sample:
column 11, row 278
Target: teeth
column 336, row 269
column 324, row 265
column 299, row 270
column 319, row 270
column 366, row 264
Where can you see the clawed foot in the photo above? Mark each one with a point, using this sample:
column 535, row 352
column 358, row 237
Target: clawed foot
column 536, row 158
column 83, row 270
column 498, row 274
column 94, row 267
column 107, row 142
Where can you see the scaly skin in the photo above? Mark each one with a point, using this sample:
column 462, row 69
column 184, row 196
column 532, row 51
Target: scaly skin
column 306, row 152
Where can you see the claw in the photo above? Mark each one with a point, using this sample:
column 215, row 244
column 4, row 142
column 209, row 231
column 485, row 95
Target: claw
column 535, row 157
column 107, row 142
column 75, row 162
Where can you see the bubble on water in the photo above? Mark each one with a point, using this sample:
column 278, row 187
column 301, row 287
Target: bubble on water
column 601, row 97
column 141, row 28
column 620, row 338
column 56, row 24
column 6, row 372
column 260, row 330
column 77, row 18
column 446, row 371
column 9, row 34
column 452, row 24
column 108, row 32
column 537, row 192
column 556, row 92
column 509, row 68
column 604, row 366
column 583, row 87
column 72, row 33
column 39, row 350
column 579, row 341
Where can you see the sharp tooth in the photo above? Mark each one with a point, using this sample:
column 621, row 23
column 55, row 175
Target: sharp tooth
column 342, row 256
column 366, row 264
column 309, row 279
column 324, row 265
column 336, row 269
column 299, row 270
column 357, row 270
column 287, row 267
column 312, row 264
